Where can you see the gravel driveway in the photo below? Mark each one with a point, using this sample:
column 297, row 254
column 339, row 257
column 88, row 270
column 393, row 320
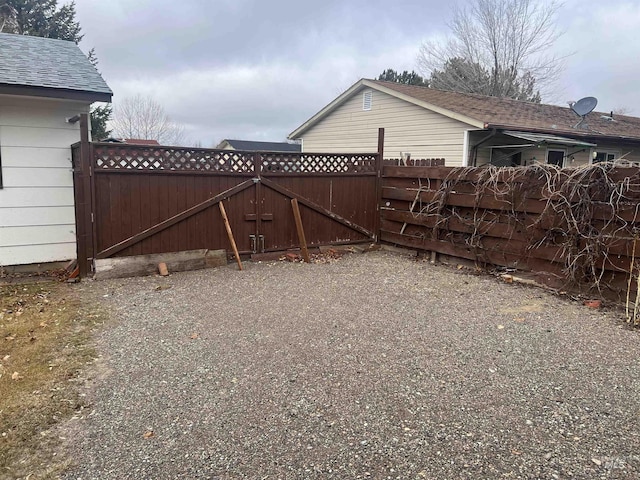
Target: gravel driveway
column 373, row 366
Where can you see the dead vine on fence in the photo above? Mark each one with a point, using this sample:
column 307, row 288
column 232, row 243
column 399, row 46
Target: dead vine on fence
column 581, row 214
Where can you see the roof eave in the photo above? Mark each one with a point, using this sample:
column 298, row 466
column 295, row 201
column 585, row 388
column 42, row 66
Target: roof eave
column 48, row 92
column 429, row 106
column 325, row 111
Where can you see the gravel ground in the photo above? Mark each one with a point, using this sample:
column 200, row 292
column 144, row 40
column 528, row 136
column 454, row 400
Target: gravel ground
column 373, row 366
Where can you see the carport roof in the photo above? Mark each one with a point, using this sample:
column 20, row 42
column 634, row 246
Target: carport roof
column 547, row 139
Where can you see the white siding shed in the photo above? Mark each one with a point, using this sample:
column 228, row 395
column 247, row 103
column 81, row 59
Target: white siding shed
column 37, row 219
column 45, row 85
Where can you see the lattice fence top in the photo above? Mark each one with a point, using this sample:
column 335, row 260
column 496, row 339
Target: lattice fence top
column 172, row 159
column 145, row 158
column 318, row 163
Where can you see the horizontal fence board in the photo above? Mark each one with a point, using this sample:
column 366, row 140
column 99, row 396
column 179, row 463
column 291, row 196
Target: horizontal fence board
column 532, row 190
column 493, row 229
column 628, row 212
column 505, row 259
column 475, row 174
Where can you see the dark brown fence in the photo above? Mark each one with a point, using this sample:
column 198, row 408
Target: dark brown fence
column 576, row 227
column 147, row 199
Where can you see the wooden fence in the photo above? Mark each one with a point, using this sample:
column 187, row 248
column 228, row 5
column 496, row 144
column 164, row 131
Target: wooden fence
column 156, row 199
column 137, row 199
column 575, row 228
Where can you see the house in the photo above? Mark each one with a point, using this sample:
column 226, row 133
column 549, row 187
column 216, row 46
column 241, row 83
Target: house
column 466, row 129
column 251, row 146
column 45, row 85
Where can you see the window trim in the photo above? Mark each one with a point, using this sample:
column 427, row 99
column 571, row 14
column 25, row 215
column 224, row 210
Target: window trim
column 615, row 153
column 564, row 151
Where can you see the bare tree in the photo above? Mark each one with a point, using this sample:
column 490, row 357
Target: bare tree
column 8, row 19
column 499, row 48
column 143, row 117
column 622, row 110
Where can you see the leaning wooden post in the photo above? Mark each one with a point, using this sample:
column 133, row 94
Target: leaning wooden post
column 378, row 167
column 301, row 237
column 230, row 234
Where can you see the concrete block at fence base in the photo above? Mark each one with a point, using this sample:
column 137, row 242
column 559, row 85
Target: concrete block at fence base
column 141, row 265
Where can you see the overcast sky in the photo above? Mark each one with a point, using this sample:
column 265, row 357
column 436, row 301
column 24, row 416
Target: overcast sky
column 257, row 69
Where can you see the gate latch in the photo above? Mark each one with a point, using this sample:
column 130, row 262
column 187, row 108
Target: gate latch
column 253, row 243
column 261, row 243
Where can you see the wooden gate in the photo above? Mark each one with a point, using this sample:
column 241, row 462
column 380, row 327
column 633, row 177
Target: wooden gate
column 134, row 200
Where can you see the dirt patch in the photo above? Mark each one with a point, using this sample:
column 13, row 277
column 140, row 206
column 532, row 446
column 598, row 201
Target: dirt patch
column 44, row 334
column 373, row 366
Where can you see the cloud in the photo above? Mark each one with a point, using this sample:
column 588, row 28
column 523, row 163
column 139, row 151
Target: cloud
column 253, row 69
column 261, row 102
column 603, row 37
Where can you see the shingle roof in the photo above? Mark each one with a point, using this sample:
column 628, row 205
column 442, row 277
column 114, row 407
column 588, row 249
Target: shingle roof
column 48, row 63
column 515, row 114
column 249, row 145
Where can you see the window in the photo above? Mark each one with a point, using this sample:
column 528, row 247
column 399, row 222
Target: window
column 505, row 157
column 605, row 156
column 367, row 98
column 556, row 157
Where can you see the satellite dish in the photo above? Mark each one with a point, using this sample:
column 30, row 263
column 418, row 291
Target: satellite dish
column 584, row 106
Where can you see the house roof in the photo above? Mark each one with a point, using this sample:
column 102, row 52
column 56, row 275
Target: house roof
column 249, row 145
column 141, row 141
column 48, row 68
column 492, row 112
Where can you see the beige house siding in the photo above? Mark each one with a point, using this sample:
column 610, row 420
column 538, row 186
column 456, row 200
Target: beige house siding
column 37, row 219
column 408, row 128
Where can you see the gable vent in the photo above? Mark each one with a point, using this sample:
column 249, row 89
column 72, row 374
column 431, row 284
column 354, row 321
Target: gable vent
column 367, row 98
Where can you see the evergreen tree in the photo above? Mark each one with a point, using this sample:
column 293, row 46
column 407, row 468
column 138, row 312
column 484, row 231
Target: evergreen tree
column 99, row 118
column 406, row 77
column 40, row 18
column 460, row 75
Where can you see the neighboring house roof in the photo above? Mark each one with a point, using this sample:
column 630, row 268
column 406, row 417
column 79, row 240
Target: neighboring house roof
column 131, row 141
column 141, row 141
column 482, row 111
column 251, row 146
column 48, row 67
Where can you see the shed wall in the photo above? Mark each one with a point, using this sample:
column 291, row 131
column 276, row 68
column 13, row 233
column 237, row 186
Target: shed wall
column 37, row 220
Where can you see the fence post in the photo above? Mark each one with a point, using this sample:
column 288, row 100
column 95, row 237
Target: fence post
column 379, row 164
column 78, row 200
column 86, row 167
column 257, row 165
